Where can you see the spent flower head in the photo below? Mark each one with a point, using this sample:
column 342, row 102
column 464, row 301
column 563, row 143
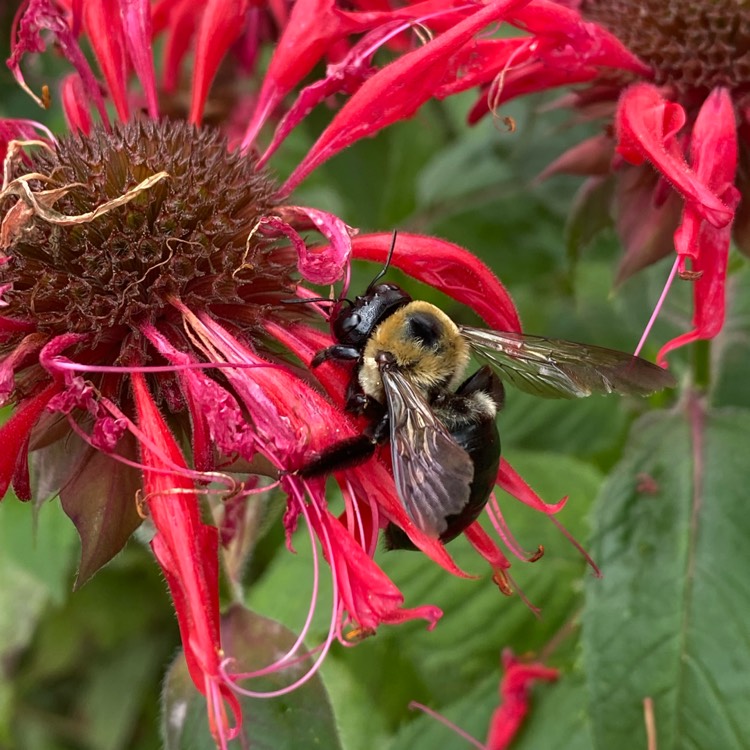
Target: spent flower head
column 147, row 259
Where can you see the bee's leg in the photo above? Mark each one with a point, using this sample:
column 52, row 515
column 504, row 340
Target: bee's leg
column 484, row 380
column 347, row 453
column 359, row 403
column 337, row 351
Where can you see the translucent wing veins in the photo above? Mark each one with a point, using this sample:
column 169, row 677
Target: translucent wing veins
column 555, row 368
column 432, row 472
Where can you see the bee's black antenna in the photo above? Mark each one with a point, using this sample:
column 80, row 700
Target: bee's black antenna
column 301, row 301
column 384, row 269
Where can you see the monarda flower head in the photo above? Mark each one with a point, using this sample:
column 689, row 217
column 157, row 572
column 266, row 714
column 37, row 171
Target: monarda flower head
column 146, row 264
column 670, row 82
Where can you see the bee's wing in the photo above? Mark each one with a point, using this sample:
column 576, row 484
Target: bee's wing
column 432, row 472
column 555, row 368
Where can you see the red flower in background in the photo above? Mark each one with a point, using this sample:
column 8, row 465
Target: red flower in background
column 670, row 82
column 515, row 692
column 145, row 265
column 507, row 719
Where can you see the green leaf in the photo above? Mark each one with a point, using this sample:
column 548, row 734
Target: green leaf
column 583, row 428
column 114, row 694
column 300, row 719
column 731, row 366
column 669, row 619
column 43, row 548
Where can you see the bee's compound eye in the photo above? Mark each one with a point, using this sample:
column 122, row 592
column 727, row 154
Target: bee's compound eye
column 349, row 322
column 425, row 327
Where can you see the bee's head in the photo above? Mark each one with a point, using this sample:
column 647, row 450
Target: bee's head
column 423, row 343
column 352, row 323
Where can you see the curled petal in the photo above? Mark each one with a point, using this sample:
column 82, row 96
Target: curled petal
column 647, row 126
column 44, row 15
column 447, row 267
column 713, row 151
column 317, row 265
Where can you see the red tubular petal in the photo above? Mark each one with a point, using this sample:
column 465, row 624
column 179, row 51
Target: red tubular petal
column 180, row 19
column 107, row 37
column 186, row 549
column 647, row 124
column 221, row 26
column 447, row 267
column 14, row 434
column 313, row 25
column 558, row 26
column 305, row 343
column 481, row 62
column 75, row 105
column 136, row 20
column 368, row 595
column 529, row 79
column 512, row 483
column 398, row 90
column 347, row 73
column 483, row 543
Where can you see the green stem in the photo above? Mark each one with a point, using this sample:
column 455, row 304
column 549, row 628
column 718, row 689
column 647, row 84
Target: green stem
column 701, row 364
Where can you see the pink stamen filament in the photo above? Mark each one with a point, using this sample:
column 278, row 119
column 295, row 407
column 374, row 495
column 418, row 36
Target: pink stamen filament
column 498, row 522
column 589, row 560
column 536, row 611
column 446, row 722
column 658, row 307
column 353, row 514
column 218, row 719
column 170, row 468
column 62, row 363
column 172, row 471
column 284, row 662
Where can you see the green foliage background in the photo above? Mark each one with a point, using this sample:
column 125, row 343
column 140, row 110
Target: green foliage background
column 669, row 620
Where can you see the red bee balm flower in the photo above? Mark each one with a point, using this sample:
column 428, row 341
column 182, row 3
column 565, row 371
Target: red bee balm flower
column 672, row 81
column 144, row 266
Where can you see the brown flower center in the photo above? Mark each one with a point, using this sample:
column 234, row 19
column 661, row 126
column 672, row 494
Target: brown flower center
column 690, row 44
column 188, row 235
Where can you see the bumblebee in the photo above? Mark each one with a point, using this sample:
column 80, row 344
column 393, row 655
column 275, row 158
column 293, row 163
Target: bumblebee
column 410, row 360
